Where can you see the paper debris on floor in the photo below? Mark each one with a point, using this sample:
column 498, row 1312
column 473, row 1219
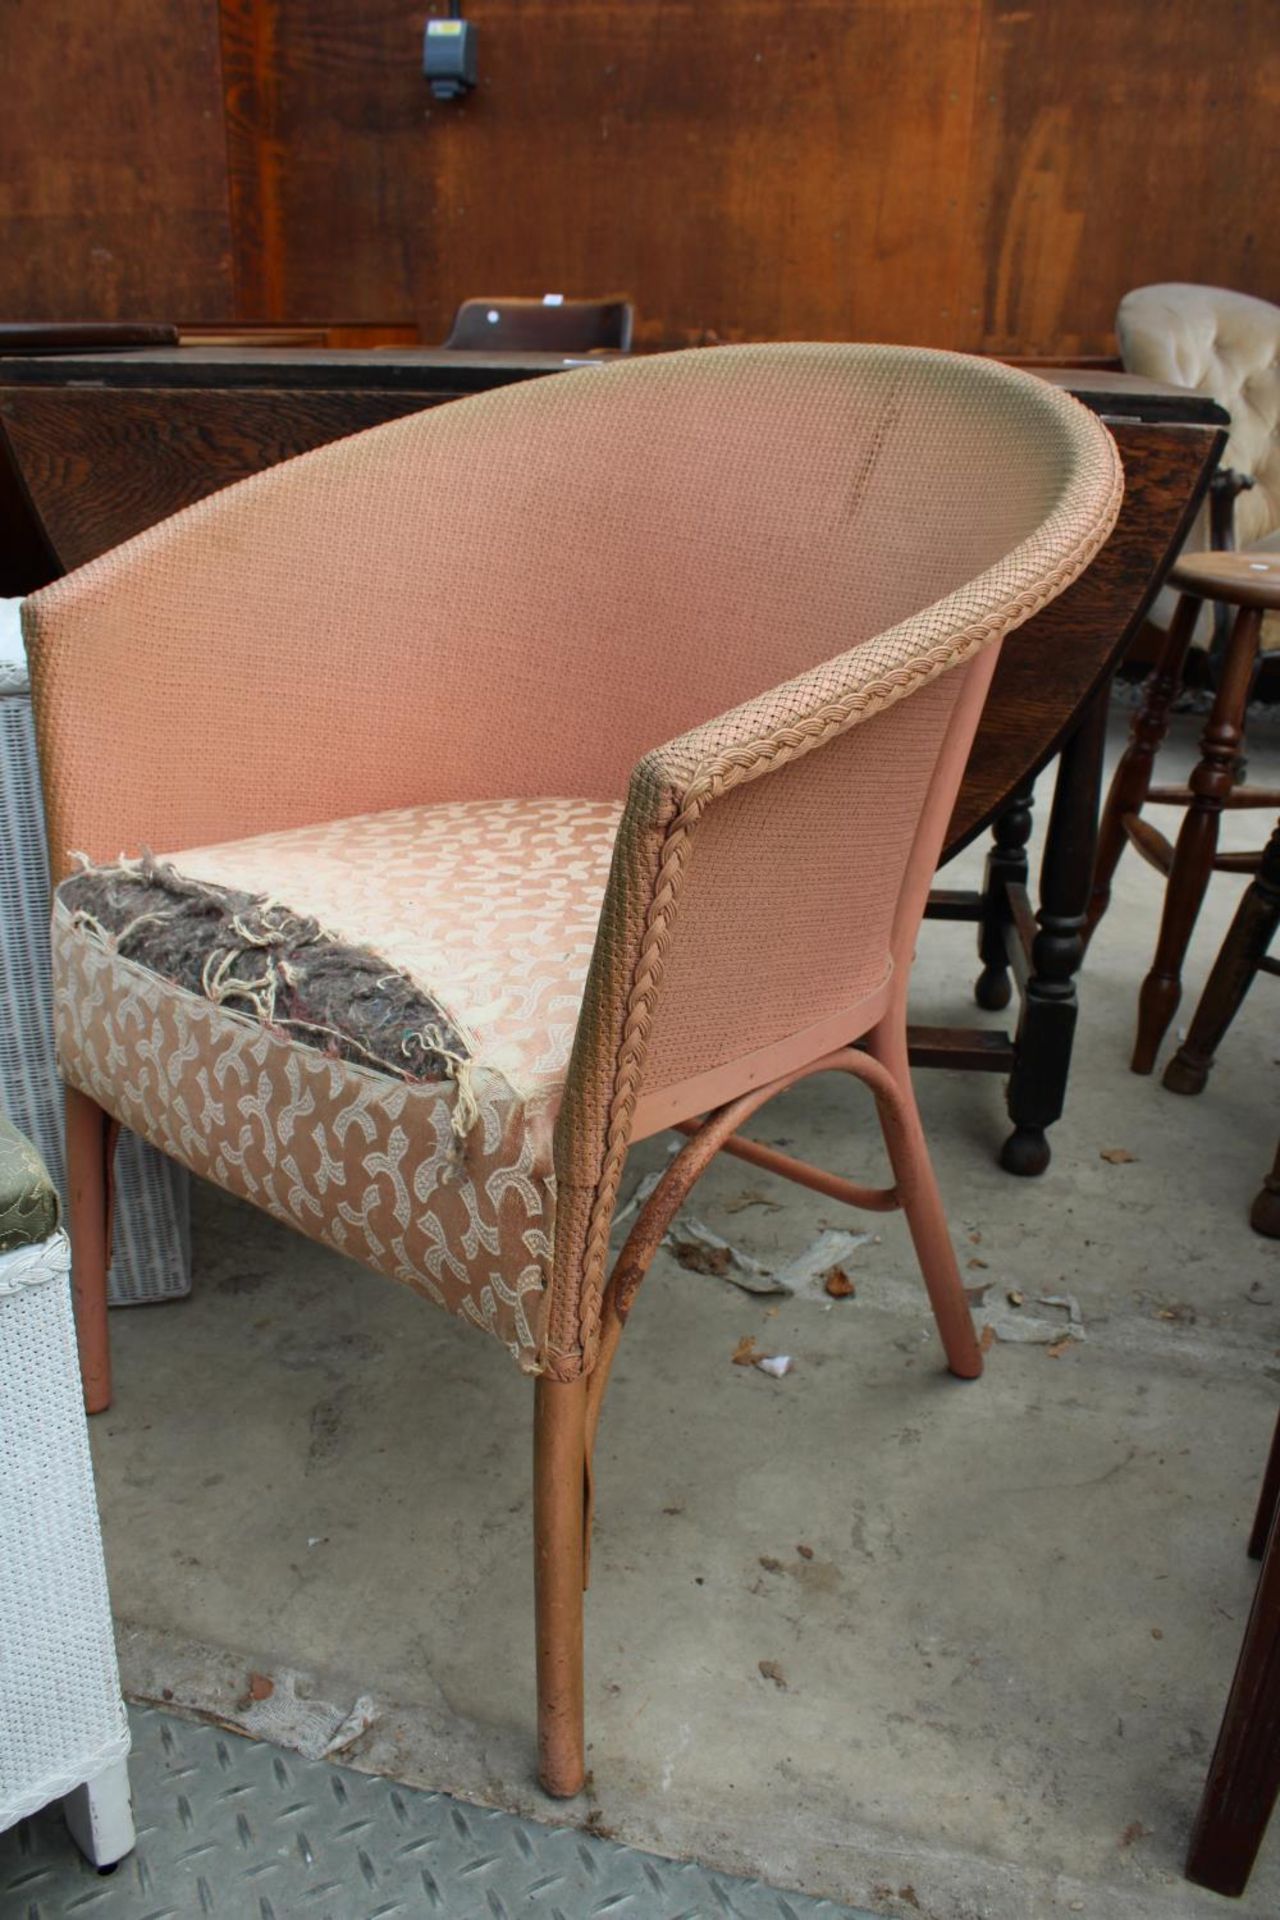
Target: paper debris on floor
column 317, row 1729
column 808, row 1276
column 1032, row 1329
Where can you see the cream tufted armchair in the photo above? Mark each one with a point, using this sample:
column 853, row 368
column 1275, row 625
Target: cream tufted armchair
column 1227, row 345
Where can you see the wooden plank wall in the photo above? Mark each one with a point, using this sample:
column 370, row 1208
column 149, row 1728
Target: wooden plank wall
column 974, row 173
column 113, row 161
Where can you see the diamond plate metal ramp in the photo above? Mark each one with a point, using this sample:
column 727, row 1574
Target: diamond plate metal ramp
column 236, row 1828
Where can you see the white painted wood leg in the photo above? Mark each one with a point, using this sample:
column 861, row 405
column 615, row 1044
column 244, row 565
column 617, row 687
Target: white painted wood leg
column 100, row 1816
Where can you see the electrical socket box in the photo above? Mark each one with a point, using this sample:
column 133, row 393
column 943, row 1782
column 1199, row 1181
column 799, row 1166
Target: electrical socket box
column 449, row 57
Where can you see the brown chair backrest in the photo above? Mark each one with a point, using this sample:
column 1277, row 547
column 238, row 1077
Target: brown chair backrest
column 549, row 325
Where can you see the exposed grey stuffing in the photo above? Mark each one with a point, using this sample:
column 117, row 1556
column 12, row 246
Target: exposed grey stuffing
column 255, row 956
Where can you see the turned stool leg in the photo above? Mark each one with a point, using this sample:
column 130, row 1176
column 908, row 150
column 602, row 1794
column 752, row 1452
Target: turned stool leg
column 1268, row 1500
column 1244, row 1774
column 1264, row 1215
column 1241, row 954
column 1197, row 843
column 1131, row 781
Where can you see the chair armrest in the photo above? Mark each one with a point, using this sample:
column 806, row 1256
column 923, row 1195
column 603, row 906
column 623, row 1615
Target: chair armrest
column 693, row 860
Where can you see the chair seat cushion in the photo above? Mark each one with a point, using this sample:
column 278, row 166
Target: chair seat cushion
column 28, row 1201
column 363, row 1027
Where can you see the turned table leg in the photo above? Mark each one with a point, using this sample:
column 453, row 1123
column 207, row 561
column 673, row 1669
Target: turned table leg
column 1046, row 1029
column 1006, row 865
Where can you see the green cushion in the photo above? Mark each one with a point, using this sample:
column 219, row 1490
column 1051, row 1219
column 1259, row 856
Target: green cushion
column 28, row 1199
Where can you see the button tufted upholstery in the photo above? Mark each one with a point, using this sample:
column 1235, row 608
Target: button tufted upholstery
column 1228, row 345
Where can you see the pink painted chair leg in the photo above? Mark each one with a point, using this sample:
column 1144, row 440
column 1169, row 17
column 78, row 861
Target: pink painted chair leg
column 87, row 1210
column 559, row 1547
column 922, row 1204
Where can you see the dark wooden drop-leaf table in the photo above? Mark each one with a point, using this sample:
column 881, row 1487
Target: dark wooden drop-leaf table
column 96, row 447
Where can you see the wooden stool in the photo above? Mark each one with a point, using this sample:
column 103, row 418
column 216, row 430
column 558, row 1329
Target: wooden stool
column 1251, row 583
column 1242, row 957
column 1244, row 1774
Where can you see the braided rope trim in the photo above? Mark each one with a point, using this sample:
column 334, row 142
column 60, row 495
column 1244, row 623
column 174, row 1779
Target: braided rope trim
column 36, row 1266
column 733, row 767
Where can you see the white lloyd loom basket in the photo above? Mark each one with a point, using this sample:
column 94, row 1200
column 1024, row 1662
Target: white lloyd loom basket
column 63, row 1731
column 151, row 1241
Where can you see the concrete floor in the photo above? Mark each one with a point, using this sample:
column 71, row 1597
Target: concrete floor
column 1001, row 1618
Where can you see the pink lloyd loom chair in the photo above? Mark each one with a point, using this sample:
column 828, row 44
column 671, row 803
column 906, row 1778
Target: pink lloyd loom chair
column 533, row 774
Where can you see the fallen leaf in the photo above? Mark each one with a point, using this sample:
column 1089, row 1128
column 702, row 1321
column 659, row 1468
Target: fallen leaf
column 837, row 1283
column 975, row 1238
column 1157, row 1633
column 978, row 1264
column 1014, row 1297
column 1059, row 1347
column 909, row 1897
column 699, row 1250
column 746, row 1353
column 260, row 1687
column 1179, row 1314
column 1117, row 1156
column 805, row 1276
column 769, row 1564
column 770, row 1670
column 987, row 1338
column 806, row 1553
column 744, row 1200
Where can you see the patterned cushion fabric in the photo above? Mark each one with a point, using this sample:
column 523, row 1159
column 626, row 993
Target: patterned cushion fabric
column 444, row 1180
column 28, row 1202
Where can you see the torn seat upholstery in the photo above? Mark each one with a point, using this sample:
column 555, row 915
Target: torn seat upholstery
column 363, row 1027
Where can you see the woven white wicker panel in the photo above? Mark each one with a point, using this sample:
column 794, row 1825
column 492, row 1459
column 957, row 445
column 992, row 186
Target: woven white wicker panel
column 62, row 1719
column 151, row 1257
